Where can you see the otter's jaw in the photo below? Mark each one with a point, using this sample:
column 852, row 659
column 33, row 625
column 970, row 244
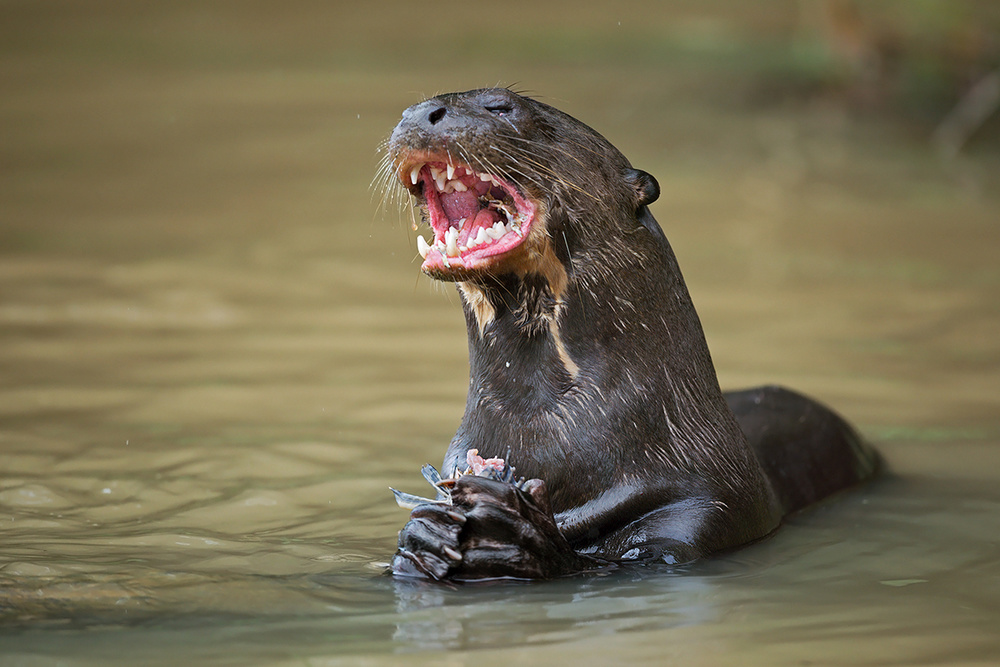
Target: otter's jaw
column 477, row 219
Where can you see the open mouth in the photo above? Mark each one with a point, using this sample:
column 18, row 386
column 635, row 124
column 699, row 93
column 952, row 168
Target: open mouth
column 475, row 218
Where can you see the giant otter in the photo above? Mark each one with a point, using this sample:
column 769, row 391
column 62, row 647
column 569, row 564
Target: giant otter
column 589, row 370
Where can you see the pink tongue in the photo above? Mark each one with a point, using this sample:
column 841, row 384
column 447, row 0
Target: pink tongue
column 485, row 218
column 458, row 205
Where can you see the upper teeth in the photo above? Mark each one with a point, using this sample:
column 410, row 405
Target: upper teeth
column 444, row 179
column 440, row 178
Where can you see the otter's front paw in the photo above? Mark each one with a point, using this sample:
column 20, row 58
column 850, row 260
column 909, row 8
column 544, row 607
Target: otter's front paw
column 428, row 543
column 510, row 532
column 493, row 529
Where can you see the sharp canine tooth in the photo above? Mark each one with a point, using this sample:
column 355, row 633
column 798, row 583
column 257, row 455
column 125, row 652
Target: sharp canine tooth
column 451, row 171
column 422, row 246
column 438, row 176
column 415, row 174
column 451, row 239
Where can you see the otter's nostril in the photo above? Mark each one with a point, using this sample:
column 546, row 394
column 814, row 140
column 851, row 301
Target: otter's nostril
column 436, row 115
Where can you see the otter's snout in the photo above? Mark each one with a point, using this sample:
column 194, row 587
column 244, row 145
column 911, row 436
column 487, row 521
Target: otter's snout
column 425, row 115
column 430, row 123
column 439, row 121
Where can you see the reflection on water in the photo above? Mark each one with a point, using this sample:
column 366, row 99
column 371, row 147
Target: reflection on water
column 215, row 356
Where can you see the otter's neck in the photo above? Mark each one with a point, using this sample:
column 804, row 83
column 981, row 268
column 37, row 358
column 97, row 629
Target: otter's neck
column 613, row 353
column 517, row 355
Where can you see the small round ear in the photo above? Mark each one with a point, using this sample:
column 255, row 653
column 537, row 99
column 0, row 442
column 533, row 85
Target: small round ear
column 647, row 190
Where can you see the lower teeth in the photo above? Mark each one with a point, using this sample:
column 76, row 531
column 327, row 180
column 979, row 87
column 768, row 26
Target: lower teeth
column 451, row 242
column 449, row 248
column 422, row 246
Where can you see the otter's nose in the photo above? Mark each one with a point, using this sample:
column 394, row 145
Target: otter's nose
column 430, row 123
column 434, row 117
column 426, row 114
column 436, row 122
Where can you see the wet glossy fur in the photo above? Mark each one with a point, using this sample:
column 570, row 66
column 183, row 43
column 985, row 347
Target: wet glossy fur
column 589, row 370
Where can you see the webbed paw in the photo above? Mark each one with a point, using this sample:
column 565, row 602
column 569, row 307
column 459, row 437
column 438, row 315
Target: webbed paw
column 493, row 529
column 428, row 543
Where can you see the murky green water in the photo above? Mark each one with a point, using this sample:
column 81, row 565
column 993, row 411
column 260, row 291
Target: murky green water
column 216, row 354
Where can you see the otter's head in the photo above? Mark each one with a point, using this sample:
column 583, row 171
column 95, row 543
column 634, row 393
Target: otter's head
column 511, row 185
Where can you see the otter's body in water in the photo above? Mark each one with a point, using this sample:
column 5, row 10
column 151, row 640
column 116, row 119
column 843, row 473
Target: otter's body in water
column 589, row 370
